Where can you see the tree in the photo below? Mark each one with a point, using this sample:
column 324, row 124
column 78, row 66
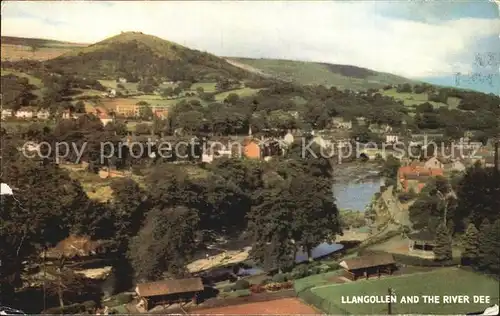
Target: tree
column 46, row 208
column 232, row 98
column 129, row 210
column 443, row 250
column 165, row 243
column 478, row 196
column 191, row 121
column 146, row 112
column 470, row 253
column 143, row 129
column 167, row 92
column 489, row 243
column 200, row 91
column 390, row 168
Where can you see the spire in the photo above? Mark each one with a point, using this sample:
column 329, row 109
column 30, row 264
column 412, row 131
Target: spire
column 250, row 130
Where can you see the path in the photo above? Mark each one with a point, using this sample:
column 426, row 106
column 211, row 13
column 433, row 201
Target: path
column 398, row 214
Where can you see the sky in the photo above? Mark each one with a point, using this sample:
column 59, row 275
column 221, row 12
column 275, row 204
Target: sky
column 430, row 40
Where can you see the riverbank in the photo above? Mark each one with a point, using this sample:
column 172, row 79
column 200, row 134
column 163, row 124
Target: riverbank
column 355, row 172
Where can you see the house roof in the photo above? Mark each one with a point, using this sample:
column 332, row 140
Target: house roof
column 414, row 172
column 167, row 287
column 367, row 261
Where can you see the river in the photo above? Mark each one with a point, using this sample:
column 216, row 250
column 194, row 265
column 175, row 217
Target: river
column 355, row 184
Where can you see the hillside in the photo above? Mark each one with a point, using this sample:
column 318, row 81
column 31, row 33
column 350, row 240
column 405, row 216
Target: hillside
column 135, row 55
column 312, row 73
column 17, row 48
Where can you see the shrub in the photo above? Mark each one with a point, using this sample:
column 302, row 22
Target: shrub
column 334, row 266
column 241, row 293
column 279, row 278
column 265, row 281
column 300, row 272
column 257, row 288
column 315, row 270
column 227, row 289
column 123, row 298
column 272, row 287
column 90, row 305
column 287, row 285
column 241, row 285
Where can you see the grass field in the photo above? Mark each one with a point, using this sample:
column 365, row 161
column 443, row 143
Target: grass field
column 444, row 281
column 311, row 73
column 243, row 92
column 13, row 52
column 207, row 86
column 413, row 99
column 32, row 80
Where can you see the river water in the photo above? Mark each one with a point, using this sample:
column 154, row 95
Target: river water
column 355, row 196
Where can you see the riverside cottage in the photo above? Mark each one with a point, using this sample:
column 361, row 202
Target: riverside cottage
column 168, row 292
column 369, row 265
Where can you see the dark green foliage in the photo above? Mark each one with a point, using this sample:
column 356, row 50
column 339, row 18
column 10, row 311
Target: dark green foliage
column 279, row 278
column 16, row 92
column 130, row 58
column 489, row 245
column 69, row 309
column 165, row 242
column 390, row 167
column 478, row 197
column 404, row 88
column 241, row 285
column 443, row 250
column 471, row 245
column 432, row 203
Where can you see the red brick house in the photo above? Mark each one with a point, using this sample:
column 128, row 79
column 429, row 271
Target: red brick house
column 414, row 177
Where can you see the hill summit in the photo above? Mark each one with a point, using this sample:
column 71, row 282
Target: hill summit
column 134, row 55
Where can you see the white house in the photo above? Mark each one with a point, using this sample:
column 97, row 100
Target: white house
column 6, row 113
column 391, row 138
column 122, row 80
column 340, row 123
column 105, row 118
column 25, row 113
column 43, row 114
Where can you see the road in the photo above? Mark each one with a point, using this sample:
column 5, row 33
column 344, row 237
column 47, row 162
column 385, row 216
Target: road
column 398, row 214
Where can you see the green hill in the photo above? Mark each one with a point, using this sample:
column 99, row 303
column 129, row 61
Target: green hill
column 312, row 73
column 135, row 55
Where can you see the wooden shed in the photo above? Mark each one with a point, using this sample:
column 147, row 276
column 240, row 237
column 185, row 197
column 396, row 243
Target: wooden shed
column 370, row 265
column 168, row 292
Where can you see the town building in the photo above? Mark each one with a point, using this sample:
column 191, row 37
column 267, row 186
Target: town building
column 43, row 114
column 105, row 118
column 25, row 112
column 6, row 113
column 455, row 165
column 434, row 163
column 422, row 244
column 367, row 266
column 391, row 138
column 168, row 292
column 340, row 123
column 127, row 109
column 414, row 177
column 251, row 148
